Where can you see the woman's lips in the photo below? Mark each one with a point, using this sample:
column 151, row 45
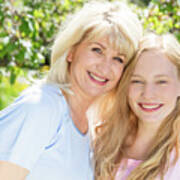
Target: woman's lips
column 97, row 79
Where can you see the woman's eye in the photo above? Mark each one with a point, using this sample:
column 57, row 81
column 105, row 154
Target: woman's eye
column 96, row 49
column 119, row 59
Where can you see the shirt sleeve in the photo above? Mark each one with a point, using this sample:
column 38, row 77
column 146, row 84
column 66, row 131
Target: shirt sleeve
column 26, row 128
column 173, row 171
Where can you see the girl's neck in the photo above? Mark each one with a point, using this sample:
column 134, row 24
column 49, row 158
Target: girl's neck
column 143, row 142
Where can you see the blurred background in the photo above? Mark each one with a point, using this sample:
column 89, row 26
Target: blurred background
column 28, row 28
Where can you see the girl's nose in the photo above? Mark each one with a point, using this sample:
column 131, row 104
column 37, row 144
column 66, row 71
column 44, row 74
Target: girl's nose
column 148, row 91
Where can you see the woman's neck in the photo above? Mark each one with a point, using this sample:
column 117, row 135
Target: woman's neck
column 78, row 106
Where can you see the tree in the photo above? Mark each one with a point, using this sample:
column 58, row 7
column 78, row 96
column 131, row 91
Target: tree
column 27, row 28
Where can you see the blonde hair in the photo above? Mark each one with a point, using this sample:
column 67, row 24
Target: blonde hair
column 94, row 20
column 115, row 122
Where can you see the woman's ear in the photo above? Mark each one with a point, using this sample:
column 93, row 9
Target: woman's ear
column 179, row 88
column 70, row 54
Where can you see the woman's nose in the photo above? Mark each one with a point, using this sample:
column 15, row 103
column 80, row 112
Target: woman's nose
column 105, row 65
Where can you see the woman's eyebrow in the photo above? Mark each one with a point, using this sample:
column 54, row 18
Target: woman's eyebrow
column 99, row 44
column 136, row 75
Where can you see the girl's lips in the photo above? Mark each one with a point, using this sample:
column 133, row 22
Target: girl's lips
column 97, row 79
column 150, row 107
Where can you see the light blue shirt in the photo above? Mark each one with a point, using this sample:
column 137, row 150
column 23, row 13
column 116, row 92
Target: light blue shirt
column 37, row 133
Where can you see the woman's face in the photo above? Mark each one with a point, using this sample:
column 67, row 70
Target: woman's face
column 95, row 67
column 154, row 87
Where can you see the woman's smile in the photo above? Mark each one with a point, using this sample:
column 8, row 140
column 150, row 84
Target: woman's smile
column 97, row 78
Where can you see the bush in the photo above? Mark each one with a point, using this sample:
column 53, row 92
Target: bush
column 27, row 29
column 8, row 91
column 161, row 16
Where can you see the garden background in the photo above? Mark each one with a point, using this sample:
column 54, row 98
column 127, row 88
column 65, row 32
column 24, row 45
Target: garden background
column 28, row 27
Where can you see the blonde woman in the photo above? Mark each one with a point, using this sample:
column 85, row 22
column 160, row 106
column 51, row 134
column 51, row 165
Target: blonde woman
column 43, row 134
column 147, row 101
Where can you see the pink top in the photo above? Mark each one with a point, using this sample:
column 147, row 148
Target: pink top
column 128, row 165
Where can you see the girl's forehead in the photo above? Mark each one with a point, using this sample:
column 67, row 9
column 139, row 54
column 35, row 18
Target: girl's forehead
column 154, row 62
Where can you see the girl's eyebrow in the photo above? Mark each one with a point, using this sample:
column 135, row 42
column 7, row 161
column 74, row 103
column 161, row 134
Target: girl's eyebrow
column 158, row 75
column 162, row 75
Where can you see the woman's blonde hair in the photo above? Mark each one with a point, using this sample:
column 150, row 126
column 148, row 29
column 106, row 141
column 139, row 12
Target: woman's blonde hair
column 112, row 122
column 95, row 20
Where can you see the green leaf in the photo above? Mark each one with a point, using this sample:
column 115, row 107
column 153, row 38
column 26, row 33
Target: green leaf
column 13, row 77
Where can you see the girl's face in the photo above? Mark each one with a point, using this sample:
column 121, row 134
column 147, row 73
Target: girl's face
column 95, row 67
column 154, row 87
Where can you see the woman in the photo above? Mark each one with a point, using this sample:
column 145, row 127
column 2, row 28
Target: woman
column 148, row 102
column 43, row 134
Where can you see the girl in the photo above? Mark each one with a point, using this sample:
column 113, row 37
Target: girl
column 147, row 101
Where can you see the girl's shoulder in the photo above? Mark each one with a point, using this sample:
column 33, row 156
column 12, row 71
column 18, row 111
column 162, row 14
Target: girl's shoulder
column 173, row 171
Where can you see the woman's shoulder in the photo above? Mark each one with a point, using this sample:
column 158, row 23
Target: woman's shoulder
column 43, row 94
column 42, row 98
column 33, row 119
column 40, row 103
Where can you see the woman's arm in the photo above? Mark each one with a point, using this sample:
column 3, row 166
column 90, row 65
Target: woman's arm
column 10, row 171
column 27, row 127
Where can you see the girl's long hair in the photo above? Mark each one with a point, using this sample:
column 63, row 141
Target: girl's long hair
column 114, row 126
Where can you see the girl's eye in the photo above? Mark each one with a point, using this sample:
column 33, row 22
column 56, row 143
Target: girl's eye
column 162, row 82
column 119, row 59
column 137, row 82
column 96, row 49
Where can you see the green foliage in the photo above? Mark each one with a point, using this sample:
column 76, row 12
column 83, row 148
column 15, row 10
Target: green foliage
column 27, row 29
column 162, row 16
column 8, row 91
